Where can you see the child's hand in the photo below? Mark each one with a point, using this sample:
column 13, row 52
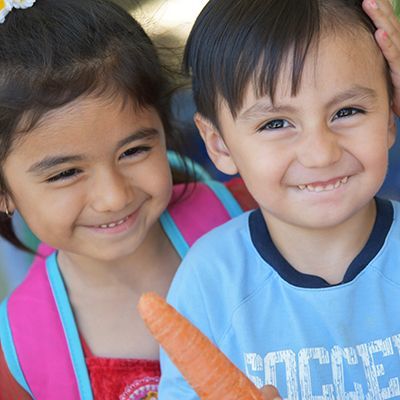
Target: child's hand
column 270, row 393
column 388, row 38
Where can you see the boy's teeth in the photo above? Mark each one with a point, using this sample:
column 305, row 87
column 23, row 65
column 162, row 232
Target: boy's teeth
column 326, row 188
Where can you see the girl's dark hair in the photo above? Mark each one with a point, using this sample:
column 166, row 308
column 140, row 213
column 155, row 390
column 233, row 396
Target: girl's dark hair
column 235, row 42
column 59, row 50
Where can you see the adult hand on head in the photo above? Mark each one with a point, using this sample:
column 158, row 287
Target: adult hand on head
column 269, row 392
column 387, row 36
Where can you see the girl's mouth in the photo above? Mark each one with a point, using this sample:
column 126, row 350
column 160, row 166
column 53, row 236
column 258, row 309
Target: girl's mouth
column 117, row 226
column 113, row 224
column 326, row 186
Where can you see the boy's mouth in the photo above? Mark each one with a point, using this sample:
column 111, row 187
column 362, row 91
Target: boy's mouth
column 324, row 186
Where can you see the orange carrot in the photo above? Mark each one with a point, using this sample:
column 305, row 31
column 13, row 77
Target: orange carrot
column 203, row 365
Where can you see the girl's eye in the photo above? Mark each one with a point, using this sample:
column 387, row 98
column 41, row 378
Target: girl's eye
column 135, row 151
column 67, row 174
column 347, row 112
column 275, row 124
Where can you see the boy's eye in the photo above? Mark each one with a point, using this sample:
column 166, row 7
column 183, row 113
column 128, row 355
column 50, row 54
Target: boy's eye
column 276, row 124
column 347, row 112
column 69, row 173
column 135, row 151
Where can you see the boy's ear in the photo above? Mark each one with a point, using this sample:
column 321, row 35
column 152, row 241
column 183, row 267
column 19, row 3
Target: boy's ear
column 392, row 129
column 215, row 144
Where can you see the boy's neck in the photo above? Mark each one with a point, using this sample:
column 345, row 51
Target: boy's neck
column 328, row 252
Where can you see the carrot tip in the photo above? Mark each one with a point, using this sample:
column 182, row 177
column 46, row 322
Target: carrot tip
column 173, row 332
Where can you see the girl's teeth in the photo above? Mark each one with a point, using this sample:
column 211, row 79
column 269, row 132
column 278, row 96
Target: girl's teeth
column 113, row 224
column 326, row 188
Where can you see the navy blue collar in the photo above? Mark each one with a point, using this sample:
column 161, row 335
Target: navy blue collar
column 263, row 243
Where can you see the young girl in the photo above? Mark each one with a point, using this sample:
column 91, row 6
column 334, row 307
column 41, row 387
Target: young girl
column 84, row 132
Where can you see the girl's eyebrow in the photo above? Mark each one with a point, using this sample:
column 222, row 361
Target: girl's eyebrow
column 51, row 162
column 145, row 133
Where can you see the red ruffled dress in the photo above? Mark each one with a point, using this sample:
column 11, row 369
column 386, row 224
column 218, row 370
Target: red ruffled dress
column 111, row 379
column 122, row 379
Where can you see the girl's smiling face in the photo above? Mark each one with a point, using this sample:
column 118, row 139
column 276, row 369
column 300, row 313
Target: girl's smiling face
column 314, row 159
column 92, row 178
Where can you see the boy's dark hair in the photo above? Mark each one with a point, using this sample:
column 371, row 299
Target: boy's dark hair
column 236, row 42
column 59, row 50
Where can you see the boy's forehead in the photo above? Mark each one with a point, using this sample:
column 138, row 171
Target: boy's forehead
column 354, row 54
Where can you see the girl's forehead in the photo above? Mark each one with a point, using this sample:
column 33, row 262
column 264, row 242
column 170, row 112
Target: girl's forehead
column 90, row 122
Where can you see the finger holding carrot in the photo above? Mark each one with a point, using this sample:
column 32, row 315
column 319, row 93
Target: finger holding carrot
column 387, row 36
column 205, row 367
column 270, row 392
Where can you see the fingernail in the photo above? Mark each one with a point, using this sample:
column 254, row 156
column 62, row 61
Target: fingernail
column 373, row 4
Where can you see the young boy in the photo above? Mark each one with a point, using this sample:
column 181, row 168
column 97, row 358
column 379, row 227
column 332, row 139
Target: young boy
column 303, row 292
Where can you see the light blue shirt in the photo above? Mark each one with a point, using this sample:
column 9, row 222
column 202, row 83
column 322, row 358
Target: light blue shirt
column 312, row 340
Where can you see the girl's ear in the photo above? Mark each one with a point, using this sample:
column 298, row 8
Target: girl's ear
column 392, row 129
column 6, row 205
column 215, row 144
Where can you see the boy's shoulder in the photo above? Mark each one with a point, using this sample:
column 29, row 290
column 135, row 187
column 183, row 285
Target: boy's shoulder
column 387, row 259
column 396, row 208
column 225, row 254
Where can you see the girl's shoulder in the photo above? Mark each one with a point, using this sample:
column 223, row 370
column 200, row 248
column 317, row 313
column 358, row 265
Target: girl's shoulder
column 197, row 208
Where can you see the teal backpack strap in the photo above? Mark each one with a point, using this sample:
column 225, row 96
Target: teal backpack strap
column 183, row 163
column 195, row 210
column 9, row 351
column 225, row 196
column 39, row 345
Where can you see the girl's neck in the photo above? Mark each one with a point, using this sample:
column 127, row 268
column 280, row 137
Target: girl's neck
column 326, row 253
column 155, row 258
column 104, row 296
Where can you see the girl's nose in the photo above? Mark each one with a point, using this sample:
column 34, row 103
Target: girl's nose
column 111, row 191
column 319, row 149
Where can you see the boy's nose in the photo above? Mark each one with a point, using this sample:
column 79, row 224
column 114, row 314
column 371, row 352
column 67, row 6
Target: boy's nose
column 110, row 191
column 319, row 149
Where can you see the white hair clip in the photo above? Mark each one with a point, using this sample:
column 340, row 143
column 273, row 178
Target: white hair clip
column 7, row 5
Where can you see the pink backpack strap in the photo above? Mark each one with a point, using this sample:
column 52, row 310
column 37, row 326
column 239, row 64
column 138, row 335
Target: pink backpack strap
column 195, row 210
column 43, row 348
column 38, row 333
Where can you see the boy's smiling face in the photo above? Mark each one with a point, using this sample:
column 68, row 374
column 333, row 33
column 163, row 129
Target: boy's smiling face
column 314, row 160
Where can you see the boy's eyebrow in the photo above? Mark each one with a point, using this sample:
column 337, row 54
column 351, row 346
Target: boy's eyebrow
column 356, row 92
column 264, row 105
column 51, row 162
